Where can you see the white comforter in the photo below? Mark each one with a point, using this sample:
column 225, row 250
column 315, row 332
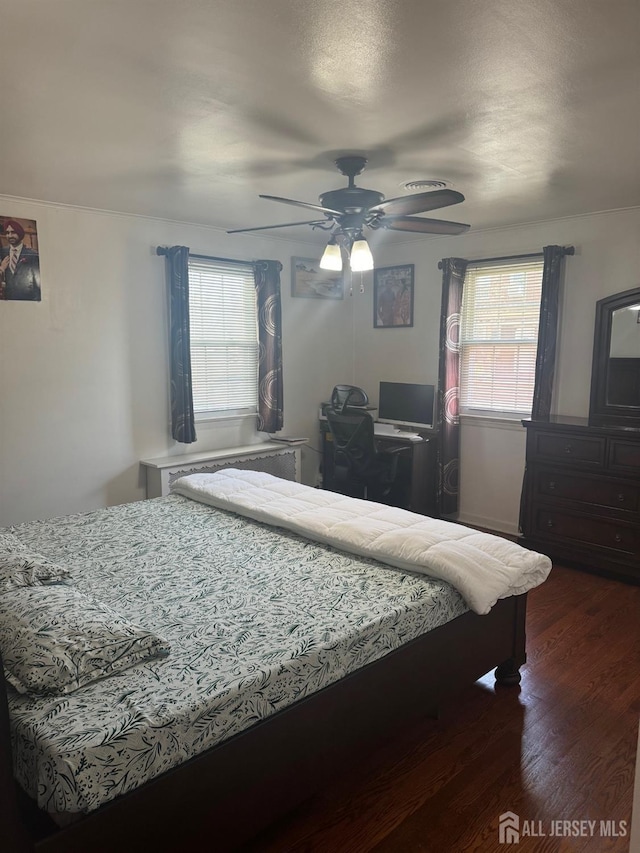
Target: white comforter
column 482, row 567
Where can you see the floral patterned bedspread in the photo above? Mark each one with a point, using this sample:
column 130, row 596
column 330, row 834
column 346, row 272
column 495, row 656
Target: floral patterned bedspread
column 257, row 618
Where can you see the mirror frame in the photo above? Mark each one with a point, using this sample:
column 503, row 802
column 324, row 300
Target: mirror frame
column 602, row 413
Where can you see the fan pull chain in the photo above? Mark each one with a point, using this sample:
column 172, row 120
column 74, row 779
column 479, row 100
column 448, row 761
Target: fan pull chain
column 361, row 288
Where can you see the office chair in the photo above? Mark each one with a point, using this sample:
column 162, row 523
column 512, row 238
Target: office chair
column 359, row 468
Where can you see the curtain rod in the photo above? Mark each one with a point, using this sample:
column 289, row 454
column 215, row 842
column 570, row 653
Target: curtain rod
column 567, row 250
column 164, row 250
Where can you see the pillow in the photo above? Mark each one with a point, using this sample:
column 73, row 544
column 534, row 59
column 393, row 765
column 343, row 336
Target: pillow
column 55, row 639
column 22, row 567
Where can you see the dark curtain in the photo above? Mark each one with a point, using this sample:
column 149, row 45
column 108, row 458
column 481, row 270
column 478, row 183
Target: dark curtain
column 182, row 418
column 453, row 271
column 547, row 331
column 270, row 395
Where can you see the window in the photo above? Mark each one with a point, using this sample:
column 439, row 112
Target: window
column 499, row 337
column 224, row 338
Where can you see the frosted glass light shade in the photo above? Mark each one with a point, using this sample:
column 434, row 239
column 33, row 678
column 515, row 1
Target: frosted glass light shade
column 361, row 257
column 332, row 258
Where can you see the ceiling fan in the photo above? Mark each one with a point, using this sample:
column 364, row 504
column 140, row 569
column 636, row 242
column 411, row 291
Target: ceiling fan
column 348, row 210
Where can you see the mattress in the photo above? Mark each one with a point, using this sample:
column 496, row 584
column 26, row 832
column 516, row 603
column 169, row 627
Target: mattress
column 257, row 618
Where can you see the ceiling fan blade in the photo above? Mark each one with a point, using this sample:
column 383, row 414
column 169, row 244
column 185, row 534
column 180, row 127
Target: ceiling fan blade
column 317, row 222
column 419, row 203
column 420, row 225
column 326, row 210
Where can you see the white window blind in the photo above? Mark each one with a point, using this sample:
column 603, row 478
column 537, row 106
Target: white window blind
column 224, row 337
column 499, row 337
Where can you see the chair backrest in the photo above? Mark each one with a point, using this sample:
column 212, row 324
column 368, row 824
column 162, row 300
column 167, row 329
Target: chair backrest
column 357, row 463
column 344, row 396
column 354, row 449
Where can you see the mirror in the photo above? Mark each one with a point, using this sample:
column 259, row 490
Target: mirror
column 615, row 375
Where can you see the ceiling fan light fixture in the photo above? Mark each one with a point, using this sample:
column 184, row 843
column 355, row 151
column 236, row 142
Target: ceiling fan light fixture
column 332, row 257
column 349, row 209
column 361, row 257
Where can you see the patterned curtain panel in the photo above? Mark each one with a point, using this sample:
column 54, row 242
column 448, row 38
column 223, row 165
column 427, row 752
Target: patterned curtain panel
column 270, row 396
column 548, row 330
column 182, row 419
column 453, row 271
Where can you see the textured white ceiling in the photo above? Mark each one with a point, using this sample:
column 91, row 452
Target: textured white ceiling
column 187, row 110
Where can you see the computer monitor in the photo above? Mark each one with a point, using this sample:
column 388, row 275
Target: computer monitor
column 406, row 404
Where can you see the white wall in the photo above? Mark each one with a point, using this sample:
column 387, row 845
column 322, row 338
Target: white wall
column 83, row 374
column 606, row 261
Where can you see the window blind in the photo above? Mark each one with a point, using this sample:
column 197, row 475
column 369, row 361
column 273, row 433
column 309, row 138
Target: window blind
column 499, row 337
column 224, row 337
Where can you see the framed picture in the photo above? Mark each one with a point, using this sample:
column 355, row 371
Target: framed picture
column 393, row 297
column 311, row 282
column 19, row 259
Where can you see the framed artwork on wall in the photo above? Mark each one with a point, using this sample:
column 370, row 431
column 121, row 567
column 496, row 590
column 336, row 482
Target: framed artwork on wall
column 393, row 297
column 311, row 282
column 19, row 259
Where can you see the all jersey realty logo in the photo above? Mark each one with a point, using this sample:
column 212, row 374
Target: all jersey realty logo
column 511, row 829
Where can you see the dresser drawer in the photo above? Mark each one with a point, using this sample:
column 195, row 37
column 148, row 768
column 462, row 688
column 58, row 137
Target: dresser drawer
column 624, row 456
column 587, row 530
column 568, row 448
column 588, row 491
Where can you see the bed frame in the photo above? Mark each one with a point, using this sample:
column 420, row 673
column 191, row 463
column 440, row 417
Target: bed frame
column 232, row 791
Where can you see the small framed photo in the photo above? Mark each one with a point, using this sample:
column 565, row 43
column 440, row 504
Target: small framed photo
column 311, row 282
column 19, row 259
column 393, row 297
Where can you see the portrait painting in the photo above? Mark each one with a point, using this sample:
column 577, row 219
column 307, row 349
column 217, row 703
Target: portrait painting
column 19, row 259
column 393, row 297
column 312, row 282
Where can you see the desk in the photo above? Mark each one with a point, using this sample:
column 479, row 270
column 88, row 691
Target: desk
column 282, row 460
column 415, row 484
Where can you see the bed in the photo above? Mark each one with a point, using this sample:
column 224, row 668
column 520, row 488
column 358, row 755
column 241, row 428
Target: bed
column 291, row 630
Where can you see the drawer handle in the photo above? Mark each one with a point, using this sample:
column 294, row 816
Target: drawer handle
column 552, row 485
column 621, row 499
column 618, row 538
column 551, row 523
column 568, row 448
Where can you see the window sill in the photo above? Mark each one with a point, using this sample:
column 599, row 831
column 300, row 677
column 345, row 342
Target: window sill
column 492, row 422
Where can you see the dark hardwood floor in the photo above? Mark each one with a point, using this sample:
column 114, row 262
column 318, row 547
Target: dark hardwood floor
column 561, row 747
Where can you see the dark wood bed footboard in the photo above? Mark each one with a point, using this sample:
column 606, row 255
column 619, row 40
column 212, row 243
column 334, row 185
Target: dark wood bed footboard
column 228, row 794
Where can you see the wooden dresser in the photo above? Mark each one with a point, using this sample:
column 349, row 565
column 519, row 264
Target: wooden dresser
column 581, row 495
